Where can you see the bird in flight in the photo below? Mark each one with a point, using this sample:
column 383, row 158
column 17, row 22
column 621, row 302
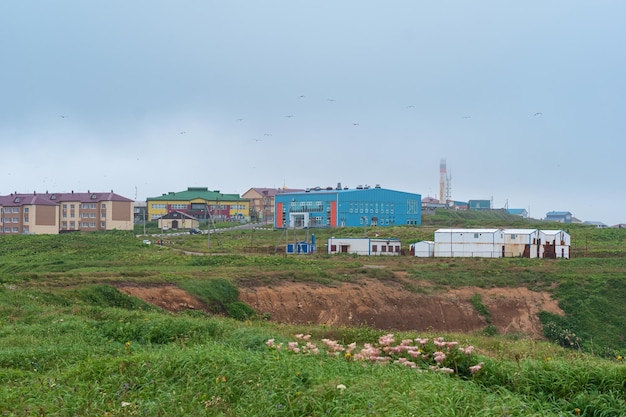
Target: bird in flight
column 302, row 96
column 331, row 99
column 289, row 116
column 355, row 124
column 538, row 114
column 267, row 134
column 240, row 120
column 410, row 106
column 63, row 116
column 467, row 117
column 257, row 140
column 182, row 132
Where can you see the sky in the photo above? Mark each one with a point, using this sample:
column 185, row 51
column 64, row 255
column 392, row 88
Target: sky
column 526, row 101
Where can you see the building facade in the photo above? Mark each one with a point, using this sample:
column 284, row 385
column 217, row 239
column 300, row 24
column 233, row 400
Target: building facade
column 200, row 203
column 262, row 202
column 338, row 207
column 51, row 213
column 365, row 246
column 501, row 243
column 473, row 243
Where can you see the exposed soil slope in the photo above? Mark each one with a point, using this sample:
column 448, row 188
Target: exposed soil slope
column 384, row 305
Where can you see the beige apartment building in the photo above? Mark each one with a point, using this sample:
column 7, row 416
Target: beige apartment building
column 51, row 213
column 262, row 201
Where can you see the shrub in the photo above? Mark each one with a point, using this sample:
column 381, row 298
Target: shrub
column 240, row 311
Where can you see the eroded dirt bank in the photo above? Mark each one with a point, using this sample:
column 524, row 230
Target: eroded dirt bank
column 384, row 305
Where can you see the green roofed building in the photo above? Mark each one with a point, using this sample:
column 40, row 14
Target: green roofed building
column 199, row 202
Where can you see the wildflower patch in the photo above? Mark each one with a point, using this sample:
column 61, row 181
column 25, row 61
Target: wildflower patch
column 422, row 354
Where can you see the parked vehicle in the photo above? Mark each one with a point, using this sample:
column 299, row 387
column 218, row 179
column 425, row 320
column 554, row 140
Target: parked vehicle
column 194, row 231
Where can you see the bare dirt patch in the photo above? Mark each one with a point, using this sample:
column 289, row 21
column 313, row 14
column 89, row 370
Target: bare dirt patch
column 169, row 297
column 384, row 305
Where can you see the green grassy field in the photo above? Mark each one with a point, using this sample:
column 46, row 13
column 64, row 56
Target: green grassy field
column 72, row 344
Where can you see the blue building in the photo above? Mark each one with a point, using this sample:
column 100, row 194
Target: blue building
column 518, row 212
column 363, row 206
column 559, row 216
column 479, row 204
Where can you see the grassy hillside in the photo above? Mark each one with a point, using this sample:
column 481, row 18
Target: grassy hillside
column 72, row 344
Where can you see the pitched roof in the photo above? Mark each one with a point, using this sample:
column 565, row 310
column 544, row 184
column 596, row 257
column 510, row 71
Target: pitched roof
column 51, row 199
column 271, row 192
column 25, row 200
column 558, row 213
column 193, row 193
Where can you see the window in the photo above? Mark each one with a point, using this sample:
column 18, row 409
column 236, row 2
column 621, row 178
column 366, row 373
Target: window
column 72, row 206
column 63, row 225
column 65, row 206
column 476, row 235
column 383, row 248
column 92, row 224
column 72, row 225
column 92, row 215
column 72, row 215
column 64, row 215
column 374, row 248
column 16, row 220
column 25, row 209
column 25, row 229
column 333, row 248
column 102, row 225
column 513, row 236
column 25, row 218
column 103, row 206
column 16, row 229
column 103, row 215
column 16, row 210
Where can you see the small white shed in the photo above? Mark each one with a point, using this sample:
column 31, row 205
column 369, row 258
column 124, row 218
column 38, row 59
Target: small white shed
column 554, row 244
column 483, row 243
column 365, row 246
column 423, row 249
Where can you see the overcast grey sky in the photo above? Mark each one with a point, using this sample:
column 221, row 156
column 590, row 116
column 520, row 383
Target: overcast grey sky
column 145, row 97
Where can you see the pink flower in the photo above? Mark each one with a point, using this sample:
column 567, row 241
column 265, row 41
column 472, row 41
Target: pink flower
column 476, row 368
column 406, row 362
column 421, row 341
column 468, row 350
column 446, row 370
column 270, row 343
column 386, row 340
column 439, row 357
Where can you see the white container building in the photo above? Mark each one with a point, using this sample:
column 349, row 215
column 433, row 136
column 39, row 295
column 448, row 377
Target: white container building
column 521, row 243
column 479, row 243
column 365, row 246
